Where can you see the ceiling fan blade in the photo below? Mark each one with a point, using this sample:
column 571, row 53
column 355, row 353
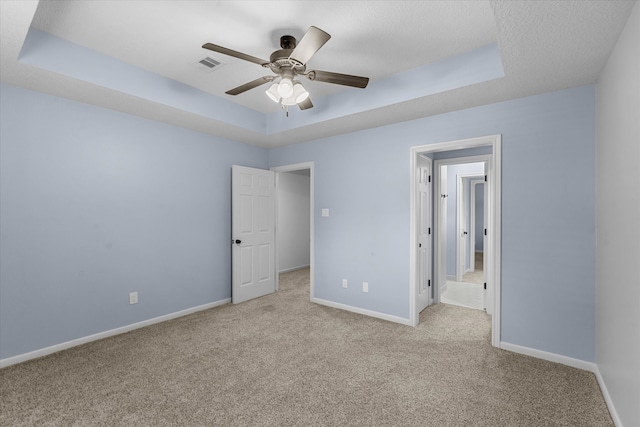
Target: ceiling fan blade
column 234, row 53
column 337, row 78
column 306, row 104
column 311, row 42
column 255, row 83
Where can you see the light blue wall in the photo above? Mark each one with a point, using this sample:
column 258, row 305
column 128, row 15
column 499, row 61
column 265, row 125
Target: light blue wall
column 465, row 152
column 46, row 51
column 96, row 204
column 548, row 243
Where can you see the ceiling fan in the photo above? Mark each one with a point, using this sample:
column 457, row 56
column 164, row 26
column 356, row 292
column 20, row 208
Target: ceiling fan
column 289, row 63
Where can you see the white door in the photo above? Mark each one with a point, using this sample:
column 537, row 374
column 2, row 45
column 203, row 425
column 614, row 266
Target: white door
column 253, row 233
column 488, row 302
column 442, row 230
column 424, row 249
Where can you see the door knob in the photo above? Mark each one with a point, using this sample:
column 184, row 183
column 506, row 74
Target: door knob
column 464, row 232
column 237, row 242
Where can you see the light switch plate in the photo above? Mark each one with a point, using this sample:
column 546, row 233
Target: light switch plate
column 325, row 212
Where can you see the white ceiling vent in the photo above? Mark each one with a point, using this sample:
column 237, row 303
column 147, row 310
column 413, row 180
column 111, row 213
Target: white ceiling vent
column 208, row 64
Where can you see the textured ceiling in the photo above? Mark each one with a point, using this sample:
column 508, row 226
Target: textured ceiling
column 373, row 39
column 543, row 46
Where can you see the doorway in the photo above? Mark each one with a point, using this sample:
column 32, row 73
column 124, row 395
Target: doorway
column 477, row 225
column 463, row 214
column 483, row 149
column 295, row 220
column 457, row 249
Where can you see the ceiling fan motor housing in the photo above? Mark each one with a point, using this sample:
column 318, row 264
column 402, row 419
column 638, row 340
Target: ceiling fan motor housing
column 288, row 42
column 280, row 61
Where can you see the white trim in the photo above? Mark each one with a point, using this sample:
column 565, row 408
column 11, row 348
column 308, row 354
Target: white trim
column 551, row 357
column 117, row 331
column 494, row 174
column 370, row 313
column 608, row 399
column 299, row 267
column 291, row 168
column 493, row 243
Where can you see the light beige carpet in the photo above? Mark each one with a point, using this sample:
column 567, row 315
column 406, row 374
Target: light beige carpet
column 283, row 361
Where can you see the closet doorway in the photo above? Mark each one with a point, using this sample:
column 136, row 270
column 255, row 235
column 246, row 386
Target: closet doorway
column 295, row 220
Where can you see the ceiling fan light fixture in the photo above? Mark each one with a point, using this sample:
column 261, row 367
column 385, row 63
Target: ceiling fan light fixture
column 273, row 93
column 287, row 64
column 288, row 101
column 299, row 92
column 285, row 87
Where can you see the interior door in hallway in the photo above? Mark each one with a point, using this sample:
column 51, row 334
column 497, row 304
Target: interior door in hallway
column 253, row 233
column 424, row 239
column 441, row 242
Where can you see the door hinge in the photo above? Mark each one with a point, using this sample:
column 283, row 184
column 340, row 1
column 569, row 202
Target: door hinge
column 485, row 178
column 485, row 286
column 429, row 230
column 429, row 178
column 429, row 282
column 485, row 231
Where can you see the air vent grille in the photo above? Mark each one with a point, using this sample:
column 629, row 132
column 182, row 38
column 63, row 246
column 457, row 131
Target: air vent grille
column 210, row 62
column 207, row 64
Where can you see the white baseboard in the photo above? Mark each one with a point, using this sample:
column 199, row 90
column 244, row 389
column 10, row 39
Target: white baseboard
column 79, row 341
column 300, row 267
column 607, row 398
column 452, row 278
column 366, row 312
column 551, row 357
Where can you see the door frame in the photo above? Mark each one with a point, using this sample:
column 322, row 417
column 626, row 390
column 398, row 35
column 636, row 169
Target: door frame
column 463, row 208
column 494, row 174
column 473, row 184
column 292, row 168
